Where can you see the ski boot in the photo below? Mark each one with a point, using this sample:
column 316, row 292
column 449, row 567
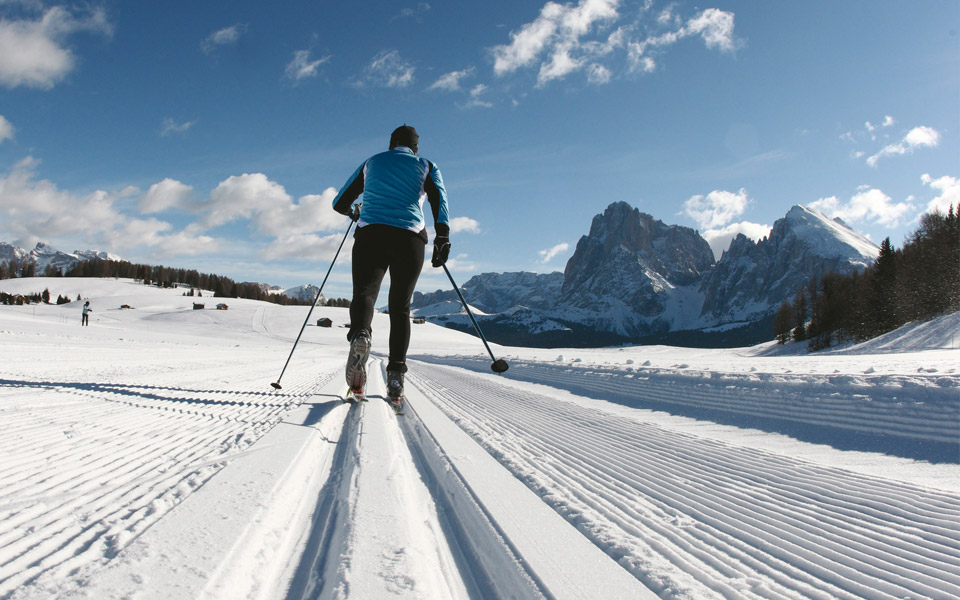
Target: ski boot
column 395, row 391
column 357, row 365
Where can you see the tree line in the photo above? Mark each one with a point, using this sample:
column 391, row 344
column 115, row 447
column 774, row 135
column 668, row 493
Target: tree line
column 916, row 282
column 158, row 276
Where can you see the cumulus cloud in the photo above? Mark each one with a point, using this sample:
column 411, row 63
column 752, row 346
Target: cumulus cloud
column 720, row 238
column 587, row 37
column 464, row 225
column 240, row 196
column 716, row 209
column 557, row 33
column 868, row 205
column 165, row 195
column 307, row 247
column 949, row 189
column 714, row 26
column 6, row 129
column 269, row 207
column 33, row 53
column 301, row 66
column 170, row 126
column 918, row 137
column 550, row 253
column 37, row 209
column 387, row 69
column 310, row 213
column 223, row 37
column 450, row 82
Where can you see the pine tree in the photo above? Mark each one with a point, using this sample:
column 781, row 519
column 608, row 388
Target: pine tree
column 783, row 322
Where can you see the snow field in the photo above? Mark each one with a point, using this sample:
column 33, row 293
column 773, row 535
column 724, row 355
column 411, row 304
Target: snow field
column 147, row 456
column 694, row 518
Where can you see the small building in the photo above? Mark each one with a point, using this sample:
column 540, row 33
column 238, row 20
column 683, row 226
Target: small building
column 222, row 306
column 197, row 306
column 419, row 321
column 324, row 322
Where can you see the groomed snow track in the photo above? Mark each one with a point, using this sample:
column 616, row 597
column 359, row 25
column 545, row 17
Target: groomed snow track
column 486, row 488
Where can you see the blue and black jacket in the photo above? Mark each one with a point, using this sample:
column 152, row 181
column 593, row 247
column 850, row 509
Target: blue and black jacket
column 394, row 185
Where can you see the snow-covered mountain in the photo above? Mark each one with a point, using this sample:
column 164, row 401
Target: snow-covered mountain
column 634, row 277
column 307, row 293
column 753, row 278
column 44, row 255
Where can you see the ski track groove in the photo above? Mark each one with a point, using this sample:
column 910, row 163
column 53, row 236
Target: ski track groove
column 803, row 531
column 110, row 459
column 874, row 405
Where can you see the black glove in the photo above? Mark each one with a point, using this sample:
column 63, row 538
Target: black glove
column 355, row 213
column 441, row 250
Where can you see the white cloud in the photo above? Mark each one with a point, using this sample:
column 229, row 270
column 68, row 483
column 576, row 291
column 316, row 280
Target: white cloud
column 240, row 196
column 868, row 205
column 223, row 37
column 38, row 210
column 918, row 137
column 476, row 97
column 310, row 213
column 6, row 129
column 170, row 126
column 557, row 31
column 464, row 225
column 719, row 239
column 164, row 195
column 415, row 13
column 717, row 208
column 387, row 69
column 450, row 82
column 598, row 74
column 306, row 247
column 949, row 189
column 714, row 26
column 302, row 67
column 550, row 253
column 33, row 54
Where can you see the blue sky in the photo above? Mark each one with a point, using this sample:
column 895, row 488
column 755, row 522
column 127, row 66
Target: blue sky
column 213, row 135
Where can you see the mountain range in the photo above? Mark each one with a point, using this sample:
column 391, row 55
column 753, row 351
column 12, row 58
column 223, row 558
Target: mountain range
column 631, row 279
column 44, row 255
column 634, row 279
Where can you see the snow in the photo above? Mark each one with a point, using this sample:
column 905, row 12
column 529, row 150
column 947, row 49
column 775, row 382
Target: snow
column 147, row 456
column 830, row 237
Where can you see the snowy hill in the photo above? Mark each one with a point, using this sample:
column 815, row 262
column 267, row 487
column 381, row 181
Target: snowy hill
column 148, row 456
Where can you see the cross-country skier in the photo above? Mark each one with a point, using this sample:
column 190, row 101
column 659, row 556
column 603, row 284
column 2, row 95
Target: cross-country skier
column 391, row 236
column 85, row 317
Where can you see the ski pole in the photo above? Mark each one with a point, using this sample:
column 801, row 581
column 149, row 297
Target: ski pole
column 499, row 365
column 276, row 384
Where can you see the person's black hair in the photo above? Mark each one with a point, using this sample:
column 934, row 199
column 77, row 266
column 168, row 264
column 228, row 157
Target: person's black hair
column 404, row 135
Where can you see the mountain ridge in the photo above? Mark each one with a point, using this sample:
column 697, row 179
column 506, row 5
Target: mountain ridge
column 635, row 279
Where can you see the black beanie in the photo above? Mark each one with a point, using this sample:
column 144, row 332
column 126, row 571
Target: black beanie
column 404, row 136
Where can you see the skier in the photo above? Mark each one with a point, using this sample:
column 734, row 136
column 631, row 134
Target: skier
column 391, row 236
column 85, row 317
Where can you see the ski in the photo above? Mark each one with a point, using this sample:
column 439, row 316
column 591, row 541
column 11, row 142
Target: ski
column 397, row 404
column 353, row 396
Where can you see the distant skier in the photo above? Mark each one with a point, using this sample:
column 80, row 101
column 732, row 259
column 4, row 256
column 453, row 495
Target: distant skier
column 85, row 317
column 391, row 236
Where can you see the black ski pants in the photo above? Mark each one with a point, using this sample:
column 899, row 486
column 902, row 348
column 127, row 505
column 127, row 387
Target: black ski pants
column 378, row 249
